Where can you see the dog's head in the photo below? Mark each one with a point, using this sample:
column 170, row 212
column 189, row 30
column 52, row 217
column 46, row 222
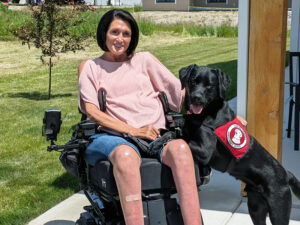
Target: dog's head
column 203, row 85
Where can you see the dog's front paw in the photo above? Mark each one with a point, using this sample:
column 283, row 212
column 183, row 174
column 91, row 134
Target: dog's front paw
column 200, row 154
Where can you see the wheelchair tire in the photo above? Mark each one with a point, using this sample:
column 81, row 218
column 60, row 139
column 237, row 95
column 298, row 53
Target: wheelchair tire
column 85, row 219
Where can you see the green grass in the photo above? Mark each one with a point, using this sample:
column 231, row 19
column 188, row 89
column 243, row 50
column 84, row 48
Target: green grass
column 185, row 29
column 31, row 180
column 215, row 52
column 9, row 18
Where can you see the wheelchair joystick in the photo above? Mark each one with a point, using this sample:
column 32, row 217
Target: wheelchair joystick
column 51, row 124
column 51, row 127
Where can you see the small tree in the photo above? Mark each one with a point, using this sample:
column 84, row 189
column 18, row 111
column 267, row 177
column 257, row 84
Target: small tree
column 52, row 29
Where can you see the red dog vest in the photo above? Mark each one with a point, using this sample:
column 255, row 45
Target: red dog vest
column 234, row 136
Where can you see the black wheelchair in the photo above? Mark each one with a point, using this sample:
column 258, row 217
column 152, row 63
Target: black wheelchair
column 160, row 205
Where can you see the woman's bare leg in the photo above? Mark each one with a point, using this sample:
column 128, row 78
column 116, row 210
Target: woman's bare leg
column 126, row 168
column 177, row 155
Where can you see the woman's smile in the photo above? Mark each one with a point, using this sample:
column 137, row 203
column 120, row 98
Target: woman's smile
column 118, row 46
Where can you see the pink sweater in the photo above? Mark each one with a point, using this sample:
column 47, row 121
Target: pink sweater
column 132, row 89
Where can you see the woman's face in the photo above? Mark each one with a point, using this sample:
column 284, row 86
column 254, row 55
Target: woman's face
column 118, row 38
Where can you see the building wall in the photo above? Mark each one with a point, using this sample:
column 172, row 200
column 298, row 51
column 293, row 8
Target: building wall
column 183, row 5
column 179, row 5
column 206, row 3
column 126, row 2
column 114, row 2
column 228, row 4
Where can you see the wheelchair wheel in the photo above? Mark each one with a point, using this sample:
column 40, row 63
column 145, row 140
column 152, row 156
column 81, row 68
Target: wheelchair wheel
column 85, row 219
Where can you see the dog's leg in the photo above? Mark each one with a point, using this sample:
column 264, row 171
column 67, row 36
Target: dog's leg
column 280, row 203
column 258, row 208
column 201, row 152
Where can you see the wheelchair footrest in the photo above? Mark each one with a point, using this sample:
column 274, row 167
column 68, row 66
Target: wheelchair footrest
column 162, row 211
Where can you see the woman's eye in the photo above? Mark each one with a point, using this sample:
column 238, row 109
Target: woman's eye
column 114, row 32
column 126, row 34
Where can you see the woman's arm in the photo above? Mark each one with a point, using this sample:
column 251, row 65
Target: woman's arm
column 94, row 114
column 242, row 120
column 183, row 96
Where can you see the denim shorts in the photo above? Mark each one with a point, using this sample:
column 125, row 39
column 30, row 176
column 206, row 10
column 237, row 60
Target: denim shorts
column 103, row 144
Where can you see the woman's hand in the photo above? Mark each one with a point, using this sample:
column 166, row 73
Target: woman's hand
column 242, row 120
column 148, row 132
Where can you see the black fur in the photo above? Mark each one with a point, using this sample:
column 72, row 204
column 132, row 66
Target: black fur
column 267, row 182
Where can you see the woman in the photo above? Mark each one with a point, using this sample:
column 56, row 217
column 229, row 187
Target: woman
column 132, row 82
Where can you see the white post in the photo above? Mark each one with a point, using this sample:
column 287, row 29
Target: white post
column 242, row 71
column 295, row 34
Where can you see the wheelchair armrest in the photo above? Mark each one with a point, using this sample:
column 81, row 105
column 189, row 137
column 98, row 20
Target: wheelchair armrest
column 84, row 129
column 175, row 122
column 164, row 100
column 88, row 128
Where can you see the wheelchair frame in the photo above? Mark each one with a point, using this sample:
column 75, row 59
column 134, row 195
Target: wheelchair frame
column 159, row 204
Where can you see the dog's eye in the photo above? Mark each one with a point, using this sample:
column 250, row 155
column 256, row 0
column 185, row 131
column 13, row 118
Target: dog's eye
column 209, row 88
column 196, row 79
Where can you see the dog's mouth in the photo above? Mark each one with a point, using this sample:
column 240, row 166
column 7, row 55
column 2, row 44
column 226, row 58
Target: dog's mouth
column 196, row 109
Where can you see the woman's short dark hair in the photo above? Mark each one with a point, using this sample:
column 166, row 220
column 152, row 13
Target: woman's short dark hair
column 106, row 20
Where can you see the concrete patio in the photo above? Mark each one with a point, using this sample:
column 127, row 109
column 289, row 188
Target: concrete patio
column 221, row 202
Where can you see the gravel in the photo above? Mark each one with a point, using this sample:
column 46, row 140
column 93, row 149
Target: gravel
column 208, row 18
column 215, row 18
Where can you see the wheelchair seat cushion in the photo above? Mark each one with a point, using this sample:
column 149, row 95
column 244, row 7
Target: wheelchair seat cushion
column 154, row 175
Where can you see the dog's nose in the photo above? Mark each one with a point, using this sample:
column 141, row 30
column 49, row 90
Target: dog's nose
column 196, row 99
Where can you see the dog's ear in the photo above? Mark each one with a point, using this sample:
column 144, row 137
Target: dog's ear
column 224, row 82
column 184, row 74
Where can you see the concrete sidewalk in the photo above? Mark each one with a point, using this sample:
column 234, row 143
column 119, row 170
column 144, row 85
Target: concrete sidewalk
column 221, row 203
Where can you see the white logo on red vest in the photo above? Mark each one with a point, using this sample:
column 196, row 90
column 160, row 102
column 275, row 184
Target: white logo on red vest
column 236, row 136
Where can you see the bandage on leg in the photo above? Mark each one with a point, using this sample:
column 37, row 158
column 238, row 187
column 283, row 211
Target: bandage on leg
column 131, row 198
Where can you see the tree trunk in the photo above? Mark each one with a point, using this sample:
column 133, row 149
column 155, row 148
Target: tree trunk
column 50, row 70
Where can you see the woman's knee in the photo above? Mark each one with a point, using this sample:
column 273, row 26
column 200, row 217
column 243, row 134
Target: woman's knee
column 177, row 152
column 125, row 158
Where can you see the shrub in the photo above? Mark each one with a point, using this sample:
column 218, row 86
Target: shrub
column 87, row 29
column 146, row 27
column 3, row 7
column 172, row 28
column 9, row 19
column 210, row 30
column 137, row 8
column 200, row 30
column 226, row 31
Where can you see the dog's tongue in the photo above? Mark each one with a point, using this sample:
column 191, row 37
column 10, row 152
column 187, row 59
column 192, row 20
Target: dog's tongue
column 196, row 109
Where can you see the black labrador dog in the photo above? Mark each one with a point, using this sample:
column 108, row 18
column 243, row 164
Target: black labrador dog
column 218, row 139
